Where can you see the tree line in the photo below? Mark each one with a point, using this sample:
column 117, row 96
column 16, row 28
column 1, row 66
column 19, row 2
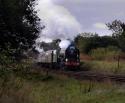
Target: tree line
column 88, row 41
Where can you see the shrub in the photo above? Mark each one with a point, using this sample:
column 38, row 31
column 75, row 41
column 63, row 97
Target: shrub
column 5, row 58
column 110, row 52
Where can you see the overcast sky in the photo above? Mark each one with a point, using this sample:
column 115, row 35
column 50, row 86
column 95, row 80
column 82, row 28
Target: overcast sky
column 67, row 18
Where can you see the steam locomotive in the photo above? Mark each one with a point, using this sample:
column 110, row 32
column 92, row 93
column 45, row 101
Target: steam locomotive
column 72, row 57
column 65, row 59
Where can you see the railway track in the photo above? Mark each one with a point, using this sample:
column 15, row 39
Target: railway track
column 89, row 75
column 100, row 77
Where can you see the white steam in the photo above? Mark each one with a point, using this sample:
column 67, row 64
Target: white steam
column 64, row 44
column 59, row 22
column 40, row 50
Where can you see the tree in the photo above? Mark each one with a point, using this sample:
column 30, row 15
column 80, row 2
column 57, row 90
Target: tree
column 118, row 28
column 19, row 25
column 87, row 43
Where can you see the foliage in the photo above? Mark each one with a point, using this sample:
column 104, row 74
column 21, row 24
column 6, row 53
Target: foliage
column 87, row 43
column 14, row 89
column 110, row 52
column 105, row 67
column 5, row 59
column 118, row 28
column 19, row 25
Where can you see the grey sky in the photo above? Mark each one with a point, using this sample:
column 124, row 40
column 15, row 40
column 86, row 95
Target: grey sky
column 67, row 18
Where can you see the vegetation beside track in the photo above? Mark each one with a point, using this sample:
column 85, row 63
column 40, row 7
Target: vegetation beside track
column 29, row 85
column 104, row 66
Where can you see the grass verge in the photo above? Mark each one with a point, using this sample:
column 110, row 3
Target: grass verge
column 105, row 66
column 20, row 87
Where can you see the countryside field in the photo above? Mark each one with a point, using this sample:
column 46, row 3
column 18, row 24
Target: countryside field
column 36, row 87
column 103, row 62
column 62, row 51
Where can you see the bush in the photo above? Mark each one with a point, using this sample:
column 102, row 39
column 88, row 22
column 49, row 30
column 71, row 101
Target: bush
column 5, row 58
column 110, row 52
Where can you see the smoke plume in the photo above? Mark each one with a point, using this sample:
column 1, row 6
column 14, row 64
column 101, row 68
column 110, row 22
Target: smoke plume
column 59, row 22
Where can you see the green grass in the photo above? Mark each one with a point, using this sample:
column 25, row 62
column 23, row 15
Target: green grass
column 109, row 53
column 105, row 66
column 33, row 88
column 71, row 91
